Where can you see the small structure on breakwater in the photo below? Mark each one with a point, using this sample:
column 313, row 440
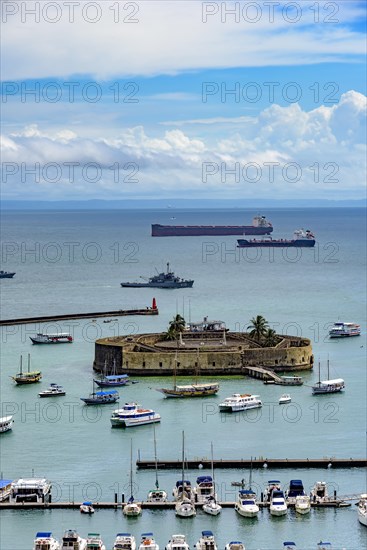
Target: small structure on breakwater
column 215, row 352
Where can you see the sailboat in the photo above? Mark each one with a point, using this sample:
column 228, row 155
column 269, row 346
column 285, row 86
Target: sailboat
column 101, row 397
column 113, row 379
column 132, row 508
column 328, row 386
column 189, row 390
column 184, row 507
column 157, row 494
column 211, row 506
column 27, row 377
column 246, row 504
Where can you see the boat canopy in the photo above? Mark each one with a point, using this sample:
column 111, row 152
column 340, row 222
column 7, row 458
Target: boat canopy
column 204, row 479
column 102, row 393
column 87, row 503
column 116, row 376
column 180, row 482
column 289, row 543
column 147, row 534
column 207, row 533
column 43, row 534
column 5, row 483
column 123, row 535
column 278, row 494
column 272, row 481
column 246, row 492
column 332, row 382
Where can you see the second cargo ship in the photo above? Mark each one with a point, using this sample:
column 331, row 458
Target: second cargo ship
column 260, row 226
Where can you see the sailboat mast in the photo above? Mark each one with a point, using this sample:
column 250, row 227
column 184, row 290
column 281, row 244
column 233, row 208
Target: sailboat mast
column 183, row 464
column 211, row 452
column 21, row 364
column 250, row 480
column 29, row 362
column 131, row 469
column 155, row 459
column 328, row 368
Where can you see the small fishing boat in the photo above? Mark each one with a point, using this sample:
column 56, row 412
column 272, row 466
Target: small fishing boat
column 73, row 541
column 285, row 398
column 177, row 542
column 86, row 508
column 131, row 508
column 246, row 504
column 124, row 541
column 206, row 542
column 133, row 414
column 157, row 494
column 362, row 509
column 94, row 542
column 53, row 391
column 101, row 397
column 235, row 545
column 147, row 542
column 29, row 377
column 319, row 492
column 45, row 541
column 278, row 505
column 303, row 504
column 6, row 424
column 7, row 274
column 113, row 379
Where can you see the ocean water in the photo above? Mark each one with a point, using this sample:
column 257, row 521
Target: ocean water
column 74, row 262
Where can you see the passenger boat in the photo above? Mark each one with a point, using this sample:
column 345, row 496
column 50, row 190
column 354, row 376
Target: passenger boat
column 147, row 542
column 344, row 330
column 133, row 415
column 295, row 489
column 235, row 545
column 6, row 274
column 177, row 542
column 101, row 397
column 301, row 238
column 58, row 338
column 86, row 508
column 284, row 398
column 182, row 491
column 157, row 494
column 112, row 379
column 53, row 391
column 278, row 505
column 27, row 377
column 5, row 489
column 207, row 541
column 302, row 504
column 131, row 508
column 30, row 490
column 319, row 492
column 94, row 542
column 6, row 424
column 240, row 402
column 72, row 541
column 328, row 386
column 362, row 509
column 246, row 504
column 124, row 541
column 45, row 541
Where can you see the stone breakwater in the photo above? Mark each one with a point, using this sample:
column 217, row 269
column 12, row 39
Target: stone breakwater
column 200, row 353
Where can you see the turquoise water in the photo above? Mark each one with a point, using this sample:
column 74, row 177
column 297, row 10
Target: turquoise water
column 77, row 263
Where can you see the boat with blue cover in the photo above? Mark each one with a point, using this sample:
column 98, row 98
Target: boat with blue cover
column 101, row 397
column 45, row 541
column 295, row 489
column 112, row 380
column 207, row 541
column 289, row 545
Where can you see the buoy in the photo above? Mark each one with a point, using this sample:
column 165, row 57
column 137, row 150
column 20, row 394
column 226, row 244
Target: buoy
column 154, row 304
column 200, row 466
column 265, row 465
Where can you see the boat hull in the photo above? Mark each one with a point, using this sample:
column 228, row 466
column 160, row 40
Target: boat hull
column 278, row 511
column 7, row 275
column 362, row 518
column 207, row 230
column 91, row 401
column 58, row 394
column 181, row 284
column 247, row 512
column 131, row 422
column 238, row 408
column 300, row 243
column 325, row 390
column 195, row 393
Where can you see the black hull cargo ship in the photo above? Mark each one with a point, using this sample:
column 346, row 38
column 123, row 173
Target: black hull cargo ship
column 303, row 239
column 261, row 226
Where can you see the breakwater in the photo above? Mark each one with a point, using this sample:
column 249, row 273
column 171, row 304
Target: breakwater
column 255, row 463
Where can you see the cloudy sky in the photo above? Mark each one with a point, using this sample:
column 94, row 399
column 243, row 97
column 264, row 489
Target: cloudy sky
column 183, row 99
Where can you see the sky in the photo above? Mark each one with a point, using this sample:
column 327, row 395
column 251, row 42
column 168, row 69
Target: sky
column 183, row 99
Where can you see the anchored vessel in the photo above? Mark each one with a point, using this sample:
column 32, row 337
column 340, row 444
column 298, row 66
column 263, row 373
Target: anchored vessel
column 113, row 379
column 133, row 415
column 157, row 494
column 5, row 489
column 246, row 504
column 6, row 274
column 45, row 541
column 240, row 402
column 87, row 508
column 177, row 542
column 73, row 541
column 30, row 490
column 101, row 397
column 29, row 377
column 260, row 226
column 301, row 239
column 328, row 386
column 53, row 391
column 343, row 330
column 206, row 541
column 131, row 508
column 6, row 424
column 162, row 280
column 362, row 509
column 124, row 541
column 59, row 338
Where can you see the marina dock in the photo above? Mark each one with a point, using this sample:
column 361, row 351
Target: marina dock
column 293, row 463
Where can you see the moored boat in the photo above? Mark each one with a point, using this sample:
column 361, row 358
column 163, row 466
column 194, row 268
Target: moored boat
column 72, row 541
column 182, row 491
column 289, row 545
column 191, row 390
column 157, row 494
column 302, row 504
column 101, row 397
column 212, row 507
column 94, row 542
column 204, row 488
column 344, row 330
column 131, row 508
column 132, row 415
column 113, row 379
column 260, row 226
column 207, row 541
column 53, row 391
column 177, row 542
column 86, row 507
column 362, row 510
column 6, row 424
column 29, row 377
column 284, row 398
column 235, row 545
column 319, row 492
column 185, row 508
column 240, row 402
column 246, row 504
column 328, row 386
column 278, row 505
column 273, row 485
column 124, row 541
column 324, row 546
column 147, row 542
column 57, row 338
column 295, row 489
column 30, row 490
column 301, row 239
column 45, row 541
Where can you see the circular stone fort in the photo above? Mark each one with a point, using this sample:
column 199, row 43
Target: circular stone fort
column 200, row 352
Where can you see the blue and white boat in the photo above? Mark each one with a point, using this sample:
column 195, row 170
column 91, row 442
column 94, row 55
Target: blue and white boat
column 278, row 505
column 207, row 541
column 87, row 507
column 133, row 415
column 246, row 504
column 295, row 489
column 45, row 541
column 289, row 545
column 112, row 380
column 101, row 397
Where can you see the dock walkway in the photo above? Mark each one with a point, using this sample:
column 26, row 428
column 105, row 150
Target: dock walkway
column 293, row 463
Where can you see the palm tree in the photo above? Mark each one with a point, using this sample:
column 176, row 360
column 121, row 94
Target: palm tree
column 177, row 324
column 258, row 327
column 270, row 338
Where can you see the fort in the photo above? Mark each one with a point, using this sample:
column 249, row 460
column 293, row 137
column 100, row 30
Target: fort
column 199, row 352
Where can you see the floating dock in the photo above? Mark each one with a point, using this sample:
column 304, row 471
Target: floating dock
column 293, row 463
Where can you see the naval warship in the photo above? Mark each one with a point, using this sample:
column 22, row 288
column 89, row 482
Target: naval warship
column 162, row 280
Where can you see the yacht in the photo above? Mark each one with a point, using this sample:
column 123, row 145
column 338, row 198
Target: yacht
column 206, row 541
column 278, row 506
column 94, row 542
column 59, row 338
column 45, row 541
column 6, row 424
column 177, row 542
column 86, row 508
column 29, row 377
column 295, row 489
column 212, row 507
column 204, row 488
column 73, row 541
column 147, row 542
column 273, row 484
column 303, row 504
column 185, row 508
column 131, row 509
column 285, row 398
column 240, row 402
column 319, row 492
column 30, row 490
column 183, row 489
column 246, row 504
column 328, row 386
column 124, row 541
column 53, row 391
column 133, row 414
column 235, row 545
column 362, row 509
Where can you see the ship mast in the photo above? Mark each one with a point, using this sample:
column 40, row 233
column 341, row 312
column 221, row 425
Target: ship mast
column 155, row 459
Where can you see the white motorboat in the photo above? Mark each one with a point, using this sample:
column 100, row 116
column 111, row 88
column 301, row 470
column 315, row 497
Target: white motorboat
column 157, row 494
column 273, row 485
column 133, row 414
column 131, row 509
column 45, row 541
column 319, row 492
column 343, row 330
column 278, row 505
column 246, row 504
column 177, row 542
column 73, row 541
column 53, row 391
column 94, row 542
column 86, row 508
column 30, row 490
column 206, row 541
column 185, row 508
column 328, row 386
column 183, row 489
column 212, row 507
column 124, row 541
column 147, row 542
column 240, row 402
column 235, row 545
column 6, row 424
column 284, row 398
column 204, row 489
column 362, row 509
column 303, row 504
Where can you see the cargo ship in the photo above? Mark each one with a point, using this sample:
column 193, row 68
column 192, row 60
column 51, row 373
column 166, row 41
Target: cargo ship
column 260, row 226
column 301, row 239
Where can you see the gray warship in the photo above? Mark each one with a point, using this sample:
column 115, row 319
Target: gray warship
column 162, row 280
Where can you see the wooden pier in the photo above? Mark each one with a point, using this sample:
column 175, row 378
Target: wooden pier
column 293, row 463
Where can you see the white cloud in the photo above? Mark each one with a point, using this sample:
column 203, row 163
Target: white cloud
column 326, row 140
